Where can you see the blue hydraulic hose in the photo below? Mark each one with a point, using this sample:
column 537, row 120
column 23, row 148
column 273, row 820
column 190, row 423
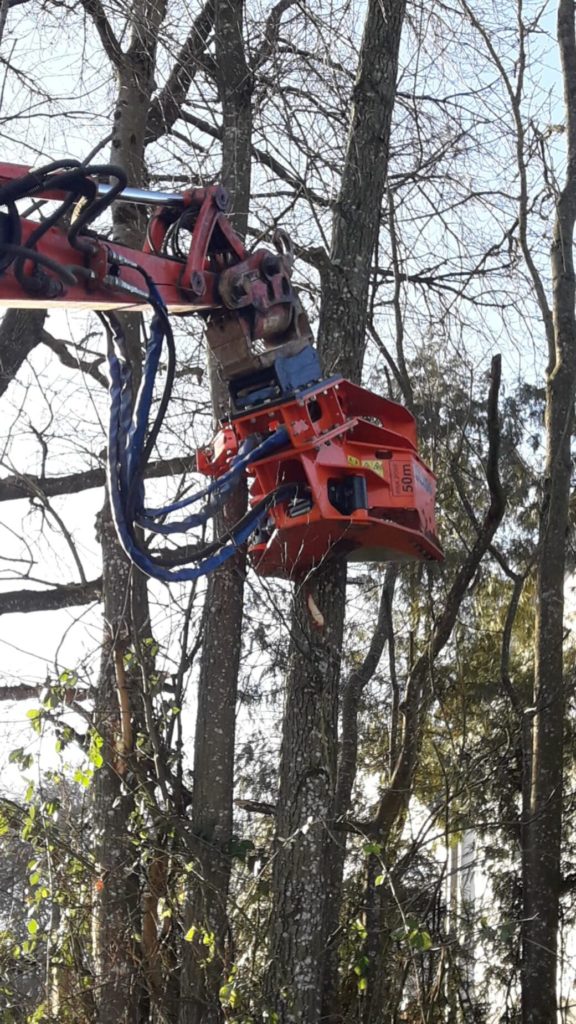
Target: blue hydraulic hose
column 122, row 400
column 137, row 434
column 128, row 450
column 216, row 491
column 138, row 556
column 245, row 448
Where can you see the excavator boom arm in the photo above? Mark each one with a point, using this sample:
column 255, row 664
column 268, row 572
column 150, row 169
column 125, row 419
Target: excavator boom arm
column 192, row 254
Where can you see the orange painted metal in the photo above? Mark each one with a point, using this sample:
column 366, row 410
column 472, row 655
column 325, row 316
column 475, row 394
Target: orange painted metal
column 338, row 431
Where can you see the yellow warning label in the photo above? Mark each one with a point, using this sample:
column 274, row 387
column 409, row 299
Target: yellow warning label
column 376, row 465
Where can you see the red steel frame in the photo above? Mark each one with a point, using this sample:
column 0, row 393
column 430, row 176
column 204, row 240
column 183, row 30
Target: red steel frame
column 216, row 260
column 338, row 430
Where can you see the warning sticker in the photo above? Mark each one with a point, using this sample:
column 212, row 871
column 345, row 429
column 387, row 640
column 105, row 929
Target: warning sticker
column 401, row 481
column 376, row 465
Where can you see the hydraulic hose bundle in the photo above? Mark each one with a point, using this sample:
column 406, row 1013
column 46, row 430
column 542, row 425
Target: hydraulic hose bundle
column 75, row 182
column 129, row 448
column 131, row 437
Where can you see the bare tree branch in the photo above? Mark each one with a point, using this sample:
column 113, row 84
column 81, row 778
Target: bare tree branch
column 67, row 595
column 271, row 33
column 15, row 487
column 167, row 107
column 24, row 691
column 73, row 361
column 256, row 807
column 16, row 3
column 506, row 642
column 264, row 158
column 353, row 689
column 109, row 42
column 4, row 5
column 20, row 332
column 19, row 691
column 515, row 99
column 395, row 798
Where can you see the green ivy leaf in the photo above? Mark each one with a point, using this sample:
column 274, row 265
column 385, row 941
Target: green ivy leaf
column 240, row 848
column 83, row 777
column 35, row 716
column 420, row 940
column 68, row 678
column 94, row 755
column 375, row 848
column 18, row 756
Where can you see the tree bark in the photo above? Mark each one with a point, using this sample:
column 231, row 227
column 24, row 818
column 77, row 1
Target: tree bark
column 301, row 891
column 116, row 920
column 66, row 595
column 306, row 801
column 26, row 485
column 356, row 222
column 20, row 332
column 120, row 986
column 212, row 805
column 543, row 819
column 347, row 766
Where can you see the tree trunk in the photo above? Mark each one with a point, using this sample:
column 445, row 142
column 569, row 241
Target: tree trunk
column 308, row 762
column 305, row 800
column 120, row 986
column 212, row 808
column 20, row 332
column 347, row 766
column 346, row 282
column 542, row 829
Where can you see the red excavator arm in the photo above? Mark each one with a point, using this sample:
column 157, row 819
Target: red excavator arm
column 192, row 254
column 334, row 468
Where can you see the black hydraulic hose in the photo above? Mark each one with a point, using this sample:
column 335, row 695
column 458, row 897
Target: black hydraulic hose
column 285, row 492
column 97, row 206
column 25, row 280
column 32, row 182
column 23, row 253
column 11, row 234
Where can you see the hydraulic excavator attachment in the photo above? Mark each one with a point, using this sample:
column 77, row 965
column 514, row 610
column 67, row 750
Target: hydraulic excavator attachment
column 334, row 469
column 360, row 488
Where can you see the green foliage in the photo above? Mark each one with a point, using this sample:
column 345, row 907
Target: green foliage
column 413, row 935
column 95, row 749
column 241, row 848
column 35, row 716
column 21, row 758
